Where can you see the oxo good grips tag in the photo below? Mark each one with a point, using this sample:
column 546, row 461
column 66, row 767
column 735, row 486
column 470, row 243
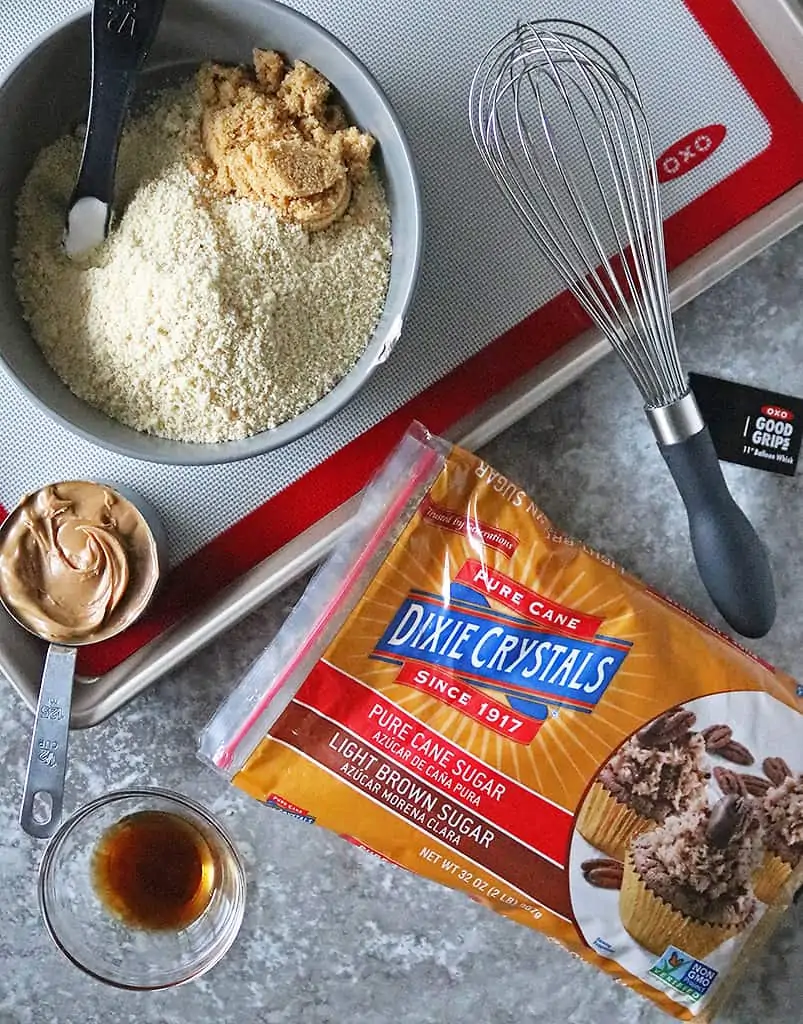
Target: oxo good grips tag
column 751, row 426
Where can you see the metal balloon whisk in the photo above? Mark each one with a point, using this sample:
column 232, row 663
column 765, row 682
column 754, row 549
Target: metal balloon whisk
column 558, row 119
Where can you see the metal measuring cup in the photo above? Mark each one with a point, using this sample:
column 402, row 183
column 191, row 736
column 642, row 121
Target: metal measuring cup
column 43, row 793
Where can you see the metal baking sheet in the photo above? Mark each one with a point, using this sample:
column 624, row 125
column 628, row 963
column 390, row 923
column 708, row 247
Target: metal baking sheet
column 779, row 24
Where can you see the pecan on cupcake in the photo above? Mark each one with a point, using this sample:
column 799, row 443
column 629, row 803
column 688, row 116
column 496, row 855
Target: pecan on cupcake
column 688, row 882
column 781, row 812
column 657, row 772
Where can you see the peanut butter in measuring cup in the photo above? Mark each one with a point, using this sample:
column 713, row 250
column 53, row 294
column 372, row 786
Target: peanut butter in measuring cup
column 79, row 563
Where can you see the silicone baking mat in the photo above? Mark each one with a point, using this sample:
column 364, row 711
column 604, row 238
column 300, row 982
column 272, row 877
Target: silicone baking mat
column 727, row 126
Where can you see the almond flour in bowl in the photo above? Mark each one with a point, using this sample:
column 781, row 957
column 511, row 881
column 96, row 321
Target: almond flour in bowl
column 203, row 318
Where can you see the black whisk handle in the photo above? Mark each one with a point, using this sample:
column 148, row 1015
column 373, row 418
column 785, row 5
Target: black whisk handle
column 732, row 562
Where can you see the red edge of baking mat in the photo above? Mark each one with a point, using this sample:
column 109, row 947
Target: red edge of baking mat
column 269, row 527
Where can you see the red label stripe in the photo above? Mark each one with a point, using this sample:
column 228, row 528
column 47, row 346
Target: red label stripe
column 525, row 815
column 448, row 689
column 529, row 604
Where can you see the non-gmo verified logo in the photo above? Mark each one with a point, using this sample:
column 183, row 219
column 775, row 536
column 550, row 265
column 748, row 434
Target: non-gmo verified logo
column 687, row 976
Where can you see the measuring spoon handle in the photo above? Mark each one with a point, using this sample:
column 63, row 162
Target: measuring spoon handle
column 47, row 760
column 122, row 34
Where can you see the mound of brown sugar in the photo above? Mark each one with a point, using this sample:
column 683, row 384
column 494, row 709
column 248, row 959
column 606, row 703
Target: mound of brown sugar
column 272, row 133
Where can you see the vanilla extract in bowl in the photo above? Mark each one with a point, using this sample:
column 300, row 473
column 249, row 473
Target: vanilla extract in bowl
column 142, row 889
column 154, row 870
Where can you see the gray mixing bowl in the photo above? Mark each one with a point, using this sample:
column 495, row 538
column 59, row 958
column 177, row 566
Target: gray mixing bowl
column 45, row 95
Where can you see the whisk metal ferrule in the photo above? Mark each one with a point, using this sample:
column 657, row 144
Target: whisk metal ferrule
column 676, row 422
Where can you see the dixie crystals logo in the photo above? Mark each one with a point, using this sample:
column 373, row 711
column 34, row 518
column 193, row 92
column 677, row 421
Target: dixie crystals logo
column 542, row 652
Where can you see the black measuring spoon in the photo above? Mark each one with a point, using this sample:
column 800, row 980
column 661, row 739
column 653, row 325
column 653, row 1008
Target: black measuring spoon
column 122, row 34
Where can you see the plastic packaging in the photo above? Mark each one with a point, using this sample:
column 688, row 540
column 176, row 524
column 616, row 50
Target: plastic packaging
column 476, row 697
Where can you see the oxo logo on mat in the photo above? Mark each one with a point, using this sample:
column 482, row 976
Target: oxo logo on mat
column 690, row 151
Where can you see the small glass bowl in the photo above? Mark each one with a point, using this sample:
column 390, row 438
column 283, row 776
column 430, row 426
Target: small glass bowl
column 103, row 945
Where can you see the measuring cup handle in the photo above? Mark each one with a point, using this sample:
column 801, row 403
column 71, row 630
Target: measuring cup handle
column 47, row 760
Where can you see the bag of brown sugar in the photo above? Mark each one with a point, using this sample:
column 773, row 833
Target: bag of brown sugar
column 472, row 695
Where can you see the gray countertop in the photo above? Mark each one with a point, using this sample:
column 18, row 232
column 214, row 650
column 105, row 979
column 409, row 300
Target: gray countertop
column 332, row 934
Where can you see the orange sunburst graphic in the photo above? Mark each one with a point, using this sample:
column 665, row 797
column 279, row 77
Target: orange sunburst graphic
column 672, row 658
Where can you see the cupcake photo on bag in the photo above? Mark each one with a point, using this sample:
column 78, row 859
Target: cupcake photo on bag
column 687, row 883
column 781, row 813
column 659, row 771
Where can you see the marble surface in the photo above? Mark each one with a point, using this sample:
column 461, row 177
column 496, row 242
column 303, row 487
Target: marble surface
column 330, row 933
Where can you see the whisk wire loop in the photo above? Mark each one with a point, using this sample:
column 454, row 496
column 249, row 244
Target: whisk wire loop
column 558, row 119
